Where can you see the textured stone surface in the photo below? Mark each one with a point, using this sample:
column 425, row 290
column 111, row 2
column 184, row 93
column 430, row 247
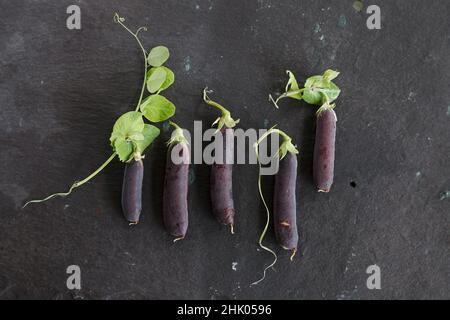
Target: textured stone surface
column 61, row 91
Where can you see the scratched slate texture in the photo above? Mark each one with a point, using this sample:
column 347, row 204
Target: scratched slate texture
column 61, row 91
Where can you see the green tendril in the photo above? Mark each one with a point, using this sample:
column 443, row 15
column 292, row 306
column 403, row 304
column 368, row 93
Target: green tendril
column 120, row 21
column 266, row 226
column 76, row 184
column 289, row 148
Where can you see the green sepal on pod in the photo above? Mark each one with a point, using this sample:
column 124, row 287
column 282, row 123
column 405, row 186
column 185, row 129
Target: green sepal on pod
column 225, row 120
column 177, row 136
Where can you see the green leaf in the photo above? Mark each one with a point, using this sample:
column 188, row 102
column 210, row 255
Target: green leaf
column 312, row 96
column 292, row 82
column 155, row 79
column 136, row 136
column 149, row 133
column 330, row 75
column 168, row 80
column 123, row 148
column 332, row 92
column 295, row 95
column 318, row 90
column 157, row 108
column 292, row 90
column 157, row 56
column 311, row 81
column 127, row 131
column 127, row 124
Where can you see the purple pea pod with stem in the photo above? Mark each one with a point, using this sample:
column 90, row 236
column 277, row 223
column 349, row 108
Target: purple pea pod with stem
column 131, row 136
column 175, row 205
column 319, row 90
column 222, row 173
column 284, row 201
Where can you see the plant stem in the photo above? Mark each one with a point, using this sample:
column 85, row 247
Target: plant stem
column 173, row 124
column 76, row 184
column 273, row 130
column 213, row 103
column 135, row 35
column 93, row 174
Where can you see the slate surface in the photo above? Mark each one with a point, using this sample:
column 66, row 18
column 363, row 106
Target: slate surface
column 61, row 91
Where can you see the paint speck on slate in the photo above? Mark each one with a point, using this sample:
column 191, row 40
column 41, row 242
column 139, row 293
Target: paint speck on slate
column 66, row 206
column 187, row 64
column 358, row 5
column 266, row 123
column 321, row 37
column 191, row 176
column 197, row 7
column 166, row 126
column 342, row 22
column 264, row 4
column 234, row 266
column 412, row 96
column 445, row 195
column 418, row 174
column 317, row 28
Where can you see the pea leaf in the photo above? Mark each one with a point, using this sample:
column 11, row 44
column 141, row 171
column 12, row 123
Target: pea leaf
column 332, row 92
column 313, row 80
column 292, row 90
column 312, row 96
column 155, row 79
column 157, row 108
column 292, row 82
column 149, row 133
column 127, row 124
column 123, row 148
column 329, row 74
column 157, row 56
column 126, row 132
column 318, row 89
column 136, row 136
column 169, row 78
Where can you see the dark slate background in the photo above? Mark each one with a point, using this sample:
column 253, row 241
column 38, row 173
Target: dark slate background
column 61, row 91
